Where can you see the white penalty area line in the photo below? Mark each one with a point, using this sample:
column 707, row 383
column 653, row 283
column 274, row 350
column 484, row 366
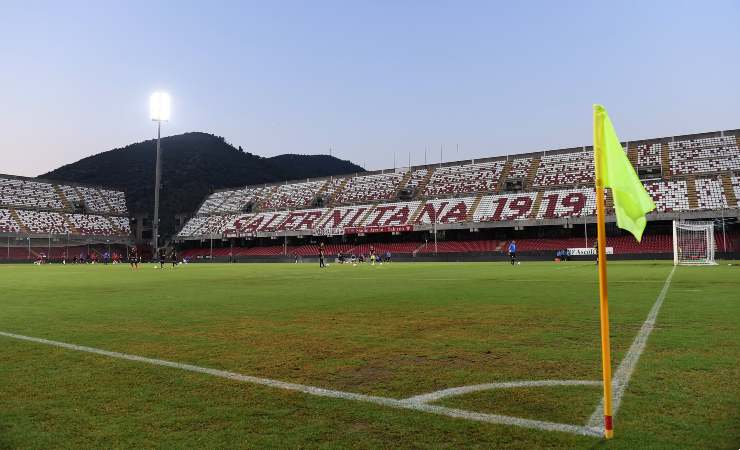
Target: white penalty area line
column 414, row 403
column 626, row 368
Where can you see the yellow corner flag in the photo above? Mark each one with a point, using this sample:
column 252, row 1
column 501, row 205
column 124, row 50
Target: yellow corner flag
column 631, row 200
column 631, row 203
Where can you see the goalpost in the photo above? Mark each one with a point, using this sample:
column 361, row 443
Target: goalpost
column 693, row 243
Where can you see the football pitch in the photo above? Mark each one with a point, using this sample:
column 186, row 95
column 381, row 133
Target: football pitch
column 402, row 355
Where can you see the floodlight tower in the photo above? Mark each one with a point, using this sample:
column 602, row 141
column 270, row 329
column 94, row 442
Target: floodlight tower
column 159, row 111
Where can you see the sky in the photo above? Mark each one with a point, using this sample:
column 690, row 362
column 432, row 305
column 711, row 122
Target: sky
column 372, row 80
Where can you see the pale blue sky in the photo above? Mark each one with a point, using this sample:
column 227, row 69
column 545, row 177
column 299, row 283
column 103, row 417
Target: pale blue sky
column 369, row 79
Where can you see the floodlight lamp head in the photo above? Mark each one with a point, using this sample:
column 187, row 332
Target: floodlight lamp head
column 159, row 107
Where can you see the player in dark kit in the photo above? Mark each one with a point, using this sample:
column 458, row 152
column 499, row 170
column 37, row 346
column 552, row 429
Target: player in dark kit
column 133, row 258
column 596, row 251
column 162, row 258
column 173, row 257
column 321, row 255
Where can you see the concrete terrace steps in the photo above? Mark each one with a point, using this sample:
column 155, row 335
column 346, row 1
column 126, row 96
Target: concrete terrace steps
column 691, row 188
column 665, row 161
column 729, row 191
column 417, row 212
column 324, row 187
column 105, row 200
column 474, row 207
column 65, row 201
column 70, row 225
column 503, row 176
column 532, row 173
column 332, row 201
column 632, row 155
column 608, row 201
column 367, row 214
column 113, row 226
column 18, row 220
column 404, row 182
column 423, row 184
column 537, row 203
column 261, row 204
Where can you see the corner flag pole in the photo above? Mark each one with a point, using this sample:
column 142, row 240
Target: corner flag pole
column 603, row 295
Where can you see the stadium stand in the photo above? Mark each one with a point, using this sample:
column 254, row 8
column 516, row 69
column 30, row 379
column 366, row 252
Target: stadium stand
column 495, row 208
column 567, row 203
column 96, row 200
column 240, row 199
column 344, row 216
column 213, row 202
column 88, row 224
column 366, row 188
column 17, row 192
column 694, row 177
column 710, row 194
column 43, row 222
column 297, row 195
column 520, row 168
column 715, row 154
column 648, row 155
column 391, row 214
column 736, row 188
column 572, row 168
column 33, row 211
column 448, row 210
column 669, row 195
column 463, row 179
column 7, row 223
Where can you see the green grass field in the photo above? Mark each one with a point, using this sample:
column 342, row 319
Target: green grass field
column 395, row 331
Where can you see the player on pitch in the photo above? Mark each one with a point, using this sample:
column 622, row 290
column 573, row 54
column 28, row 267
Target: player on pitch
column 133, row 258
column 512, row 252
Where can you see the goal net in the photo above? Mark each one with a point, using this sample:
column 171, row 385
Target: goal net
column 693, row 243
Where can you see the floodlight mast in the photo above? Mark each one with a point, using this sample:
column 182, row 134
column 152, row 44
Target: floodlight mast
column 159, row 108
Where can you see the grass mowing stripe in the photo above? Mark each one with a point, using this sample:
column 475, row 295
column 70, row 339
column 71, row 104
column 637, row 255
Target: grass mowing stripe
column 321, row 392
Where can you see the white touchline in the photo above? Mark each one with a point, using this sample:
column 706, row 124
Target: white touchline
column 321, row 392
column 624, row 372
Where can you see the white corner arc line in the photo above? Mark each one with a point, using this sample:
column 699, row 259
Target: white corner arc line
column 321, row 392
column 626, row 368
column 460, row 390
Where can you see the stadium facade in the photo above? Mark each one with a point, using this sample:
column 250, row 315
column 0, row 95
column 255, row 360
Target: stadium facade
column 42, row 219
column 545, row 198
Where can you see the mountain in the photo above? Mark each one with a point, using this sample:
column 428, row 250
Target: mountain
column 193, row 165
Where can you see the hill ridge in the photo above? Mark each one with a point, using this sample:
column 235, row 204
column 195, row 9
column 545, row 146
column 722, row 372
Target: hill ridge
column 194, row 164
